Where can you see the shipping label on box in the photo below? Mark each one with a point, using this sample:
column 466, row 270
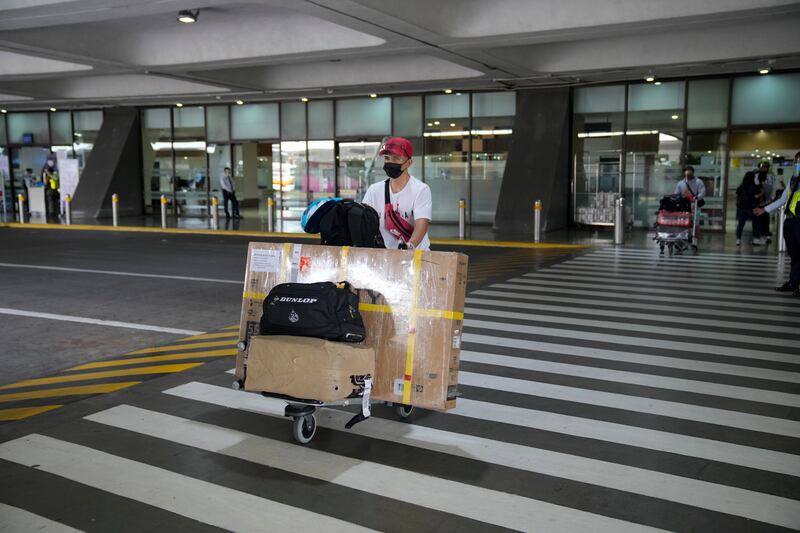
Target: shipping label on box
column 412, row 304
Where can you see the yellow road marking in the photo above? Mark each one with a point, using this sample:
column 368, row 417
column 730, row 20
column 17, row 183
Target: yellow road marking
column 160, row 369
column 179, row 347
column 153, row 359
column 236, row 327
column 18, row 413
column 224, row 334
column 291, row 236
column 68, row 391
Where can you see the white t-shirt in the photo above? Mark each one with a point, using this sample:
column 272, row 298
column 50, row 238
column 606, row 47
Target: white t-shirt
column 413, row 202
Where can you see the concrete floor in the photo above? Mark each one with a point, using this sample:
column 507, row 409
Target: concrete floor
column 608, row 390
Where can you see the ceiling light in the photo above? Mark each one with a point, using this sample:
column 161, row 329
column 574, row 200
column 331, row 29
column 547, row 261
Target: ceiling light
column 3, row 110
column 674, row 117
column 458, row 94
column 179, row 104
column 452, row 124
column 373, row 95
column 763, row 70
column 187, row 17
column 429, row 123
column 239, row 102
column 304, row 99
column 435, row 122
column 657, row 83
column 448, row 91
column 709, row 151
column 649, row 79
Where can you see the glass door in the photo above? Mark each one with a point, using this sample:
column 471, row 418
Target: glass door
column 359, row 164
column 748, row 149
column 254, row 172
column 5, row 184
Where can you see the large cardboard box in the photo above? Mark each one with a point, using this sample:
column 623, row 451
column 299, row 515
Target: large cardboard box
column 412, row 303
column 306, row 368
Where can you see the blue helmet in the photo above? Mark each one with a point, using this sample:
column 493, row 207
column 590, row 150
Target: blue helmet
column 314, row 213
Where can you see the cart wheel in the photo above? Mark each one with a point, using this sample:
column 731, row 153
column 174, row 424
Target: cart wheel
column 404, row 411
column 304, row 428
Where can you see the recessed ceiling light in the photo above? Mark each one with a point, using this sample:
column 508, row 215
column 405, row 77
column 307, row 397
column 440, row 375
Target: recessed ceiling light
column 187, row 17
column 429, row 123
column 239, row 102
column 179, row 104
column 3, row 110
column 452, row 124
column 373, row 95
column 763, row 71
column 448, row 91
column 53, row 109
column 674, row 117
column 709, row 151
column 657, row 83
column 649, row 79
column 304, row 99
column 435, row 122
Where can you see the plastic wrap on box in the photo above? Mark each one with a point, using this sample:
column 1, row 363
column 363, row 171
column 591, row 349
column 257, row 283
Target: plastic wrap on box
column 412, row 303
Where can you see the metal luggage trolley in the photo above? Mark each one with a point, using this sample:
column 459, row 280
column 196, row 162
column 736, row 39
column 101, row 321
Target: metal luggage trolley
column 303, row 411
column 676, row 230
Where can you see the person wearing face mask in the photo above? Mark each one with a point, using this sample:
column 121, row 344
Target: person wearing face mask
column 767, row 183
column 403, row 202
column 791, row 226
column 693, row 189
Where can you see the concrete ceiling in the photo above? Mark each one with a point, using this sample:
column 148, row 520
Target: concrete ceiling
column 106, row 52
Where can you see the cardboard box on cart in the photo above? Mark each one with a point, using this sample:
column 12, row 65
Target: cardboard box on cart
column 412, row 303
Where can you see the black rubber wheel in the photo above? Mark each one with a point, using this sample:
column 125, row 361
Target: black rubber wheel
column 404, row 411
column 304, row 428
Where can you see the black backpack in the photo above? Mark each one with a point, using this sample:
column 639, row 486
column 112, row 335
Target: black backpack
column 324, row 310
column 351, row 223
column 674, row 202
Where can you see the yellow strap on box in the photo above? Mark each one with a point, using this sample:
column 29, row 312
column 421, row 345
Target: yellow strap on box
column 343, row 263
column 412, row 330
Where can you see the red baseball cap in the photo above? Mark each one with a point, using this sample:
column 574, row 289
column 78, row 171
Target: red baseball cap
column 397, row 146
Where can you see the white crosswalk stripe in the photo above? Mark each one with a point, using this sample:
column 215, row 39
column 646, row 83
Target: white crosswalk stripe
column 203, row 501
column 595, row 396
column 14, row 519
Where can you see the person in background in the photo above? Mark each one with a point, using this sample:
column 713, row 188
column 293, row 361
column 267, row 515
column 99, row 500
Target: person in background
column 51, row 186
column 767, row 182
column 693, row 189
column 403, row 203
column 229, row 193
column 748, row 197
column 791, row 226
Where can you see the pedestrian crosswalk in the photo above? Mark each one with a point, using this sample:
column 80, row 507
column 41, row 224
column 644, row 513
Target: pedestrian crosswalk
column 617, row 391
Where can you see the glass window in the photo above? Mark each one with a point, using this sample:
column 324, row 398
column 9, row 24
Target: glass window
column 189, row 147
column 499, row 104
column 61, row 128
column 359, row 166
column 407, row 116
column 447, row 146
column 253, row 171
column 321, row 169
column 651, row 97
column 447, row 106
column 23, row 125
column 770, row 99
column 188, row 123
column 598, row 128
column 706, row 153
column 217, row 123
column 219, row 157
column 320, row 119
column 5, row 177
column 293, row 121
column 85, row 126
column 708, row 104
column 363, row 117
column 294, row 198
column 491, row 143
column 653, row 145
column 156, row 157
column 3, row 136
column 603, row 99
column 255, row 121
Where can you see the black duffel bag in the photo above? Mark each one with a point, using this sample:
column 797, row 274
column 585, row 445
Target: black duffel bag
column 325, row 310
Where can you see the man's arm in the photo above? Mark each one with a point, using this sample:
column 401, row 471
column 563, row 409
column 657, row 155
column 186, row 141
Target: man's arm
column 423, row 209
column 774, row 205
column 701, row 189
column 420, row 229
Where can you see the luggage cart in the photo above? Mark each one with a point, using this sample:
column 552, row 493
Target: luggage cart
column 676, row 230
column 303, row 411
